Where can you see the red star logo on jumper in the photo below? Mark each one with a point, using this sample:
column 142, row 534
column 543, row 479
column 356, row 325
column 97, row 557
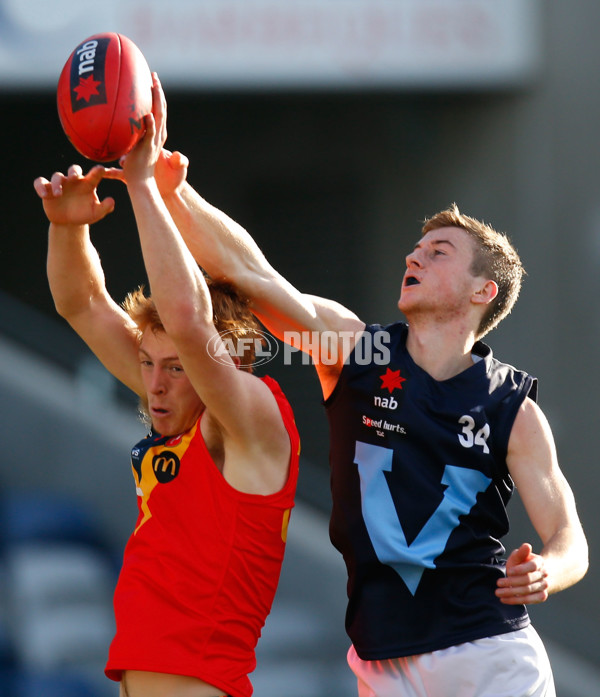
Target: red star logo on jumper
column 86, row 88
column 391, row 380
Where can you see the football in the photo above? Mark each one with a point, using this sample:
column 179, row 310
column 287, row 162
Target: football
column 104, row 92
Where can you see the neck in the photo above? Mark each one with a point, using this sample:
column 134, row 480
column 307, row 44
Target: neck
column 442, row 351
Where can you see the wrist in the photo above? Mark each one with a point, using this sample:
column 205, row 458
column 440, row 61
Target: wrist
column 174, row 199
column 68, row 228
column 145, row 184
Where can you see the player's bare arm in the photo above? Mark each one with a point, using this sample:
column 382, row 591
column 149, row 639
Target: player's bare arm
column 242, row 406
column 549, row 502
column 75, row 273
column 226, row 251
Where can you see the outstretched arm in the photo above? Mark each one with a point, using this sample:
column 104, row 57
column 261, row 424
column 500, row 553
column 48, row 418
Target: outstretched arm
column 75, row 273
column 549, row 502
column 226, row 251
column 239, row 406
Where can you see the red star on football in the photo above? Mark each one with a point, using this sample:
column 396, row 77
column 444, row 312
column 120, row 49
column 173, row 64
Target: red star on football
column 86, row 88
column 391, row 380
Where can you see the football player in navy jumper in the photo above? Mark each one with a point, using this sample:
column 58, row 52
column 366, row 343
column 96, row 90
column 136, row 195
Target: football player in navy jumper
column 429, row 436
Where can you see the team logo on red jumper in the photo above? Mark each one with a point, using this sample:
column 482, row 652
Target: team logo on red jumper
column 166, row 466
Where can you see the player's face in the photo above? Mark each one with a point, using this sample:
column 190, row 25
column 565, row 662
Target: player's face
column 173, row 404
column 438, row 276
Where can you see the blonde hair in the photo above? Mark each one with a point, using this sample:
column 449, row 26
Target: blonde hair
column 231, row 314
column 494, row 257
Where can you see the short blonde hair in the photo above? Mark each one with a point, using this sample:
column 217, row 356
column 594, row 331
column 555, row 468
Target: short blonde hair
column 494, row 257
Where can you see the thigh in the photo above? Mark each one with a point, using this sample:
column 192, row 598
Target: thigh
column 138, row 683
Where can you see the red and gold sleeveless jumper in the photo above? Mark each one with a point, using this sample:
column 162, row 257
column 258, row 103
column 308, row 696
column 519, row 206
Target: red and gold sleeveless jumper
column 201, row 568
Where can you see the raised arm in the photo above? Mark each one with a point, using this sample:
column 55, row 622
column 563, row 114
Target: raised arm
column 240, row 406
column 75, row 273
column 226, row 251
column 549, row 502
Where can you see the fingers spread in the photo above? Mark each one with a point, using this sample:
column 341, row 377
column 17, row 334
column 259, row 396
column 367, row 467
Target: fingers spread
column 42, row 187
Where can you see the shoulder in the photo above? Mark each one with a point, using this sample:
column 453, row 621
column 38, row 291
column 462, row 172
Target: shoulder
column 530, row 418
column 273, row 387
column 264, row 461
column 382, row 337
column 531, row 431
column 281, row 400
column 506, row 376
column 272, row 415
column 272, row 384
column 393, row 328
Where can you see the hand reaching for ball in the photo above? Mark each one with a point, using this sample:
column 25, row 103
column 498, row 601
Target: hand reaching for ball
column 72, row 199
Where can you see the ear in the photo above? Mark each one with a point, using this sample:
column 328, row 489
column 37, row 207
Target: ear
column 485, row 293
column 236, row 360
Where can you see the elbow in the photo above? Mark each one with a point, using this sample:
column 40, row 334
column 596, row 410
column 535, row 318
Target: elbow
column 577, row 566
column 66, row 308
column 585, row 559
column 582, row 554
column 186, row 322
column 62, row 309
column 578, row 570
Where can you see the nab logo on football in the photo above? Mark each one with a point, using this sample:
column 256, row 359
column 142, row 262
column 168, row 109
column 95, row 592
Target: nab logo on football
column 165, row 466
column 87, row 74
